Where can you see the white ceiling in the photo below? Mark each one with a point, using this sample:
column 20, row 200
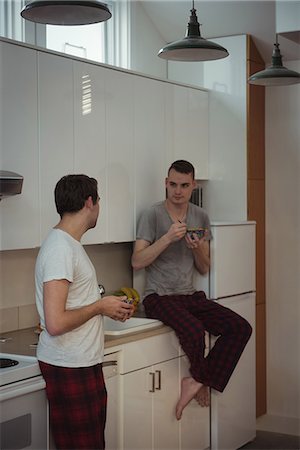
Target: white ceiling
column 225, row 18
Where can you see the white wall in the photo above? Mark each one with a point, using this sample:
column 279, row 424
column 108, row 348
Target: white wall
column 287, row 16
column 17, row 291
column 283, row 250
column 145, row 44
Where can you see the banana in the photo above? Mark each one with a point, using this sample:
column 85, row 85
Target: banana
column 131, row 293
column 136, row 296
column 127, row 292
column 118, row 293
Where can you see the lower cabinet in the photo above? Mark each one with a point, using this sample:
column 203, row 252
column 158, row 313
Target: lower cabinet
column 148, row 399
column 150, row 396
column 233, row 421
column 195, row 421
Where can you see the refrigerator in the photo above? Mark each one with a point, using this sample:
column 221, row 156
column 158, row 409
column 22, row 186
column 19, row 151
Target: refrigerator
column 231, row 282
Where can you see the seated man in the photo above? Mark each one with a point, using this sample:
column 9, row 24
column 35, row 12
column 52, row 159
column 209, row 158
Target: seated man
column 169, row 254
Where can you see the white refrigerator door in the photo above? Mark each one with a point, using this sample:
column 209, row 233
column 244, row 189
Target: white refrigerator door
column 232, row 254
column 232, row 251
column 233, row 412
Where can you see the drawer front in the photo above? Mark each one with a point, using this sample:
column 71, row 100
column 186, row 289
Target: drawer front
column 146, row 352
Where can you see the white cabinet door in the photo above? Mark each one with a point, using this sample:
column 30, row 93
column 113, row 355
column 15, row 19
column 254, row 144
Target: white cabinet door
column 89, row 137
column 150, row 397
column 149, row 142
column 195, row 421
column 56, row 130
column 233, row 421
column 137, row 410
column 187, row 127
column 120, row 163
column 165, row 396
column 112, row 384
column 19, row 215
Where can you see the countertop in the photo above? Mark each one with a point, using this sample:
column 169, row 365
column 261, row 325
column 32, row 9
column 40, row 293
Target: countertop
column 23, row 342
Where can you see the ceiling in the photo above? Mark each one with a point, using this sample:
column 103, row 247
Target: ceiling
column 226, row 18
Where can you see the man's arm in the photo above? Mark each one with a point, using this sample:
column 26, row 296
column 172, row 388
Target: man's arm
column 145, row 253
column 60, row 320
column 200, row 249
column 201, row 257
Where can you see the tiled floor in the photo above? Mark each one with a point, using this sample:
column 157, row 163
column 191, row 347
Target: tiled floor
column 275, row 441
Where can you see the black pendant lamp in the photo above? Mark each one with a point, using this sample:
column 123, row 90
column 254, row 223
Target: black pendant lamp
column 276, row 74
column 66, row 12
column 193, row 47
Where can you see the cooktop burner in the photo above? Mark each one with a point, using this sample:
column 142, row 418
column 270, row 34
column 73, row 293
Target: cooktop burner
column 7, row 362
column 14, row 368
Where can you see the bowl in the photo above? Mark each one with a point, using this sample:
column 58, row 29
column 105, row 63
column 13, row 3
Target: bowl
column 199, row 232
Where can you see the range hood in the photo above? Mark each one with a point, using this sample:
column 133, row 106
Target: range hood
column 10, row 183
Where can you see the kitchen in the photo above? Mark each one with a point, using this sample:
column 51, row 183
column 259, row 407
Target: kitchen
column 17, row 298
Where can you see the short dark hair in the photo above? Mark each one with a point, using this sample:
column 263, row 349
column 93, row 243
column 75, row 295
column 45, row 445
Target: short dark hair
column 71, row 191
column 182, row 166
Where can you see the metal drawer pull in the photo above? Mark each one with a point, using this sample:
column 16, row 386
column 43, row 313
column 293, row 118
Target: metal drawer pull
column 158, row 387
column 153, row 381
column 109, row 363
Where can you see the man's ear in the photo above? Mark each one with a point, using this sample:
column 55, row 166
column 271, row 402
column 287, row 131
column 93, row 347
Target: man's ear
column 89, row 202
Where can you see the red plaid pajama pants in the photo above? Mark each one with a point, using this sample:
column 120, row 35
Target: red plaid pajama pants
column 190, row 316
column 77, row 405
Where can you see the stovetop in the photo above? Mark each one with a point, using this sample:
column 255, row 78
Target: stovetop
column 26, row 367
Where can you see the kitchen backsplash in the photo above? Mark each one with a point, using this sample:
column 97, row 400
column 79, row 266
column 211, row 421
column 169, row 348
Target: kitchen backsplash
column 17, row 297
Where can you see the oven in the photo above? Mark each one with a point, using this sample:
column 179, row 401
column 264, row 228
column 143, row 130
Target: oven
column 23, row 404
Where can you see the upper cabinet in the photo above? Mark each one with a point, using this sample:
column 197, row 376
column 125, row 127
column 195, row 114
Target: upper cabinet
column 60, row 115
column 187, row 124
column 19, row 215
column 56, row 137
column 119, row 135
column 89, row 137
column 150, row 141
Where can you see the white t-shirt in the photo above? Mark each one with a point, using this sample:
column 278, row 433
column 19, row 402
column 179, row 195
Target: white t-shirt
column 63, row 257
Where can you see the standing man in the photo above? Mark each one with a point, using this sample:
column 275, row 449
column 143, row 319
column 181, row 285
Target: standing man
column 71, row 344
column 169, row 254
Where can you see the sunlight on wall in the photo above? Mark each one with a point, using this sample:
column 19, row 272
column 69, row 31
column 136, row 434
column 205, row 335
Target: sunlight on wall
column 86, row 104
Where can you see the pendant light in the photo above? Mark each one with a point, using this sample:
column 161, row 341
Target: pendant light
column 193, row 47
column 66, row 12
column 276, row 74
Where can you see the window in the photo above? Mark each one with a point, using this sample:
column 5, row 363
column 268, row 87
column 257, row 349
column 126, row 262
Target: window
column 12, row 25
column 106, row 42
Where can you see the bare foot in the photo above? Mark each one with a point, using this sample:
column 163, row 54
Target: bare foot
column 189, row 388
column 202, row 396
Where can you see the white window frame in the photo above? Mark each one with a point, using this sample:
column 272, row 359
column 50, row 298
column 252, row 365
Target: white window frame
column 116, row 31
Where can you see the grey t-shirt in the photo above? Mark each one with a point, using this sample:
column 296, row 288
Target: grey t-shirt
column 172, row 271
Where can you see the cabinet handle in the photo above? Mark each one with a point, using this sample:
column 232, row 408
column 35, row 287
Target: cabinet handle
column 152, row 374
column 109, row 363
column 158, row 387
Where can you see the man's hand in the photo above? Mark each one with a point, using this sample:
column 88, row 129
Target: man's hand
column 176, row 231
column 193, row 242
column 116, row 308
column 200, row 249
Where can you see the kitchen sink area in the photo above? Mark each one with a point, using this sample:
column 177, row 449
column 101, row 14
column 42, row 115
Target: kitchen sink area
column 132, row 325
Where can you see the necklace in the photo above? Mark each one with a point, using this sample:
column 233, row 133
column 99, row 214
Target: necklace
column 176, row 217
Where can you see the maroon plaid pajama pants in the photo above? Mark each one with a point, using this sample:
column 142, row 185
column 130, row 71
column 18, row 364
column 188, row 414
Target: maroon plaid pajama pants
column 190, row 316
column 77, row 405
